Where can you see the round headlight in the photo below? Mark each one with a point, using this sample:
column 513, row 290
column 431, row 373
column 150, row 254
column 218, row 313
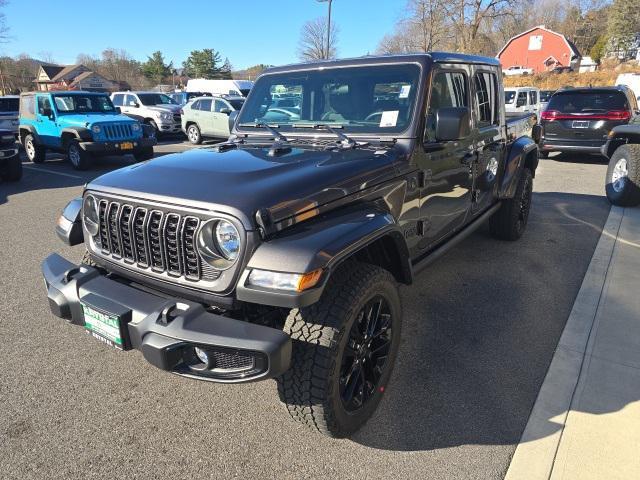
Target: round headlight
column 227, row 239
column 135, row 127
column 95, row 129
column 90, row 215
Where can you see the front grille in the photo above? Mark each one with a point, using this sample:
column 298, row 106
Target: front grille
column 177, row 118
column 230, row 361
column 118, row 131
column 151, row 239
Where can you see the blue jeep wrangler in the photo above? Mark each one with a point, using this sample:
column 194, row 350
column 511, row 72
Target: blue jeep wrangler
column 81, row 124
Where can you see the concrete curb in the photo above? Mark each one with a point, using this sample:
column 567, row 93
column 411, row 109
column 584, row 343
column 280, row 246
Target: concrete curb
column 535, row 454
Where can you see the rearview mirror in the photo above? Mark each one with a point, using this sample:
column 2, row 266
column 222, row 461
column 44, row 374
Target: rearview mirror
column 452, row 123
column 232, row 119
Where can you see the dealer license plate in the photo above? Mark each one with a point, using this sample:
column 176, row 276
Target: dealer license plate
column 105, row 327
column 126, row 146
column 580, row 124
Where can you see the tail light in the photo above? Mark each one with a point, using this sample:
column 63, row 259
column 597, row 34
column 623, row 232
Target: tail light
column 615, row 115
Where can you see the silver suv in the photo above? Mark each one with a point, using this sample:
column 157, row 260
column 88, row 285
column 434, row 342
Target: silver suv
column 208, row 117
column 152, row 108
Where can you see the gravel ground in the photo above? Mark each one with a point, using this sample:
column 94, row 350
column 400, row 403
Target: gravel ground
column 480, row 328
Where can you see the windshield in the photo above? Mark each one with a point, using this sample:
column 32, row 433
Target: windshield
column 9, row 104
column 509, row 96
column 588, row 101
column 372, row 99
column 545, row 95
column 83, row 104
column 156, row 99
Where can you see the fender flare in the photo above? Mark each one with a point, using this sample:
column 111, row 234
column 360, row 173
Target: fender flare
column 619, row 136
column 523, row 152
column 31, row 130
column 79, row 133
column 322, row 244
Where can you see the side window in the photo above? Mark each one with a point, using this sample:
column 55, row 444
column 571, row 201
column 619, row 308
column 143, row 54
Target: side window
column 522, row 99
column 533, row 97
column 448, row 89
column 130, row 100
column 28, row 106
column 195, row 105
column 485, row 96
column 44, row 106
column 205, row 104
column 219, row 105
column 118, row 100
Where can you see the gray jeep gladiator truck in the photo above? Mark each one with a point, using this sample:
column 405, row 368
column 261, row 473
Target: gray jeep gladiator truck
column 279, row 253
column 622, row 183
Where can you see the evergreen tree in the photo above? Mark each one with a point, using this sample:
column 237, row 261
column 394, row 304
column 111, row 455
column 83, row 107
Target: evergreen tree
column 624, row 23
column 155, row 69
column 203, row 64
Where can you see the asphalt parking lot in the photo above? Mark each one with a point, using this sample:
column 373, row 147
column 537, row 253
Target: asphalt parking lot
column 480, row 328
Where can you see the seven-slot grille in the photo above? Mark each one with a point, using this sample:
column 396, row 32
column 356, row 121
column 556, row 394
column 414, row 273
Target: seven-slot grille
column 150, row 239
column 118, row 131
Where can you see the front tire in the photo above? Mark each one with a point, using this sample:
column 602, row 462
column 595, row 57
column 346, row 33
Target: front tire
column 193, row 134
column 35, row 153
column 78, row 158
column 623, row 176
column 510, row 221
column 344, row 347
column 12, row 171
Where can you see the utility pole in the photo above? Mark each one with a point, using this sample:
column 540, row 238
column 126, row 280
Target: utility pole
column 327, row 52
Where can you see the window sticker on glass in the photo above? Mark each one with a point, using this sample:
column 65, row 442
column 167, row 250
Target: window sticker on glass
column 404, row 91
column 389, row 118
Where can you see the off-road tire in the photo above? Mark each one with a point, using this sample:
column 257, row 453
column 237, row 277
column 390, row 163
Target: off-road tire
column 626, row 193
column 12, row 171
column 154, row 125
column 144, row 154
column 193, row 134
column 310, row 388
column 510, row 221
column 35, row 153
column 78, row 158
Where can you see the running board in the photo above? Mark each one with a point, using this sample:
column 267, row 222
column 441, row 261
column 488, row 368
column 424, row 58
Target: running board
column 455, row 240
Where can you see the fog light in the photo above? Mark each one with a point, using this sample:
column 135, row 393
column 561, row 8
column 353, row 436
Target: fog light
column 202, row 355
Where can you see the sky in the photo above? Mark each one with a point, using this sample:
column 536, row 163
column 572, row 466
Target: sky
column 248, row 32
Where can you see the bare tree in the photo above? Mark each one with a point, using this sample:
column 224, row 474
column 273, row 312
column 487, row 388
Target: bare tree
column 313, row 41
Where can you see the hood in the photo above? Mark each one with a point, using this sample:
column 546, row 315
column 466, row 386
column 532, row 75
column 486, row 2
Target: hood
column 77, row 120
column 164, row 108
column 244, row 180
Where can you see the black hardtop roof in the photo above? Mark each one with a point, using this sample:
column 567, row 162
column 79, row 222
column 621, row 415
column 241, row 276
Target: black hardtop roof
column 422, row 58
column 65, row 92
column 616, row 88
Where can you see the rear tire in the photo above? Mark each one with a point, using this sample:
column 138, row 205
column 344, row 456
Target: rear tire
column 342, row 361
column 623, row 176
column 510, row 221
column 35, row 153
column 144, row 154
column 12, row 171
column 193, row 134
column 78, row 158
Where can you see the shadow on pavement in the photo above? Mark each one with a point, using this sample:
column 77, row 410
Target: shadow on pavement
column 481, row 330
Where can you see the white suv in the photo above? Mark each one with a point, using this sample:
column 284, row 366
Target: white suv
column 153, row 108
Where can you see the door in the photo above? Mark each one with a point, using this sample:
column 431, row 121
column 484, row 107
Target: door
column 205, row 118
column 221, row 110
column 46, row 123
column 521, row 102
column 129, row 107
column 446, row 166
column 533, row 101
column 488, row 137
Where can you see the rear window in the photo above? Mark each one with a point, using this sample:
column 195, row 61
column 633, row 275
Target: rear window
column 9, row 104
column 588, row 101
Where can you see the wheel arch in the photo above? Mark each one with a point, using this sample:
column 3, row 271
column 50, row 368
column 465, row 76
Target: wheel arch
column 523, row 153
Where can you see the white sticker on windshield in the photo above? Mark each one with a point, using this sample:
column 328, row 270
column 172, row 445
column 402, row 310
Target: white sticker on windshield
column 404, row 91
column 389, row 118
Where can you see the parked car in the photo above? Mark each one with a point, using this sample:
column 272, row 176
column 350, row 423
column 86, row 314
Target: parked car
column 580, row 119
column 81, row 124
column 155, row 109
column 236, row 88
column 545, row 96
column 517, row 70
column 561, row 69
column 10, row 163
column 9, row 106
column 182, row 98
column 208, row 117
column 279, row 253
column 522, row 100
column 622, row 183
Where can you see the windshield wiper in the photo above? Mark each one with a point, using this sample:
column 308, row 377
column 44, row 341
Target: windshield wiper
column 277, row 136
column 346, row 141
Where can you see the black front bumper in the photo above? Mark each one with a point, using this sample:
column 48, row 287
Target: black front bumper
column 166, row 330
column 113, row 148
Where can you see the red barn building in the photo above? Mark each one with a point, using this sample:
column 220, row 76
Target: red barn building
column 540, row 49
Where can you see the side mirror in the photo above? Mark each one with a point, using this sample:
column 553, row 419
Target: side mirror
column 232, row 119
column 134, row 104
column 47, row 112
column 118, row 110
column 452, row 123
column 226, row 111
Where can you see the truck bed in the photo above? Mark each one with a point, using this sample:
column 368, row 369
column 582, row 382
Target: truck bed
column 519, row 125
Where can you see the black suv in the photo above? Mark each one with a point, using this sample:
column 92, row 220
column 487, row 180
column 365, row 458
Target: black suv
column 579, row 119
